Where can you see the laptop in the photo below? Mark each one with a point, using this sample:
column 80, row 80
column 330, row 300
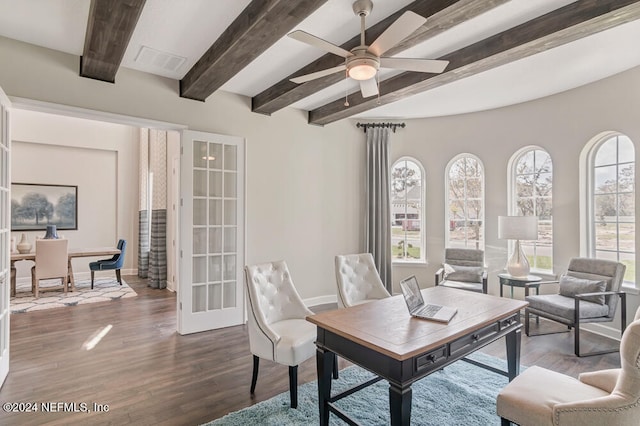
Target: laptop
column 417, row 307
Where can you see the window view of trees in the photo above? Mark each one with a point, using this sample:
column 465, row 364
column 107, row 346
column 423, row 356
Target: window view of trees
column 466, row 203
column 406, row 210
column 533, row 176
column 614, row 202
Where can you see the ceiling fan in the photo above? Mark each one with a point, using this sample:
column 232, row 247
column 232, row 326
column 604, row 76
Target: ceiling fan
column 362, row 62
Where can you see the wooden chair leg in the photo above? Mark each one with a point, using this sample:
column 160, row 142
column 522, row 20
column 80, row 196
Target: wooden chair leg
column 293, row 385
column 118, row 276
column 92, row 276
column 254, row 376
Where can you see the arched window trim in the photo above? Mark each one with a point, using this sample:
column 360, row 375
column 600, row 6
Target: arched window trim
column 587, row 203
column 446, row 197
column 512, row 196
column 423, row 221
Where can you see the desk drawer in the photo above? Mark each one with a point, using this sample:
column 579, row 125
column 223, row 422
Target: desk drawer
column 474, row 338
column 430, row 358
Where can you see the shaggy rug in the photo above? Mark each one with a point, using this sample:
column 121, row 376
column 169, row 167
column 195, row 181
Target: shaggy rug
column 104, row 289
column 460, row 394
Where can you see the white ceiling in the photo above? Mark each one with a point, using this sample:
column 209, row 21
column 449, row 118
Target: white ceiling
column 187, row 28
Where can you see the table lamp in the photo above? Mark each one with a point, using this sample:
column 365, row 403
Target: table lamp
column 518, row 228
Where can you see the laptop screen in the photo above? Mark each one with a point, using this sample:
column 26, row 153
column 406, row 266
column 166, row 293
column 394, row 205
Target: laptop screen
column 411, row 293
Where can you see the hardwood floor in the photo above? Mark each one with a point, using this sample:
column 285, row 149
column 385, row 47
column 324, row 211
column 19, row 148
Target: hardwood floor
column 147, row 374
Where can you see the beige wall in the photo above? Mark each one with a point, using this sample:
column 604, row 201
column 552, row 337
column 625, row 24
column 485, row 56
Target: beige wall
column 304, row 183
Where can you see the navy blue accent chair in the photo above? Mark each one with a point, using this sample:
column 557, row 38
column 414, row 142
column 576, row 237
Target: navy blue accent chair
column 115, row 262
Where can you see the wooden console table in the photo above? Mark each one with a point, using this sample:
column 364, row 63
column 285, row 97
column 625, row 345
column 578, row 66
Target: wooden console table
column 73, row 252
column 383, row 338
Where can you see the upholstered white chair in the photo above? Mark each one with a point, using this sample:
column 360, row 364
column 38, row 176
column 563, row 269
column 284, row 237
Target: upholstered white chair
column 463, row 269
column 358, row 280
column 540, row 397
column 278, row 330
column 52, row 262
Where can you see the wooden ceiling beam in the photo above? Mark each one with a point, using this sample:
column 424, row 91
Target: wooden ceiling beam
column 258, row 27
column 441, row 15
column 109, row 28
column 572, row 22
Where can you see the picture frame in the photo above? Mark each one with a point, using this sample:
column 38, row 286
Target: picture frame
column 34, row 206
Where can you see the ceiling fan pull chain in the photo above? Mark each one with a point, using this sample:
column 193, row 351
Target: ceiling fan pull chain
column 378, row 81
column 346, row 89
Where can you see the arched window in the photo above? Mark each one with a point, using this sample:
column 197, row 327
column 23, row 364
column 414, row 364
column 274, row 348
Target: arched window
column 532, row 195
column 611, row 221
column 465, row 202
column 407, row 210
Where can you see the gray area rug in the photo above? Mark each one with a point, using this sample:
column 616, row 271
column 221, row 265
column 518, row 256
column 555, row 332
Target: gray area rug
column 460, row 394
column 104, row 289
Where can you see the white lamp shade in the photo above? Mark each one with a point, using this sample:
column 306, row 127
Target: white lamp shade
column 518, row 227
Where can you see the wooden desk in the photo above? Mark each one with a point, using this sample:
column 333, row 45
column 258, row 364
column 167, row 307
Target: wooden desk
column 73, row 252
column 382, row 337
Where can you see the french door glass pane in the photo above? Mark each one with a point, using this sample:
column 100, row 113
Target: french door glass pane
column 230, row 185
column 199, row 212
column 215, row 296
column 230, row 211
column 215, row 156
column 199, row 241
column 215, row 240
column 199, row 183
column 215, row 212
column 229, row 267
column 215, row 268
column 215, row 184
column 230, row 157
column 200, row 154
column 198, row 298
column 229, row 294
column 199, row 273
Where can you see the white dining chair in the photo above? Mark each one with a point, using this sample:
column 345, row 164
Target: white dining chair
column 52, row 262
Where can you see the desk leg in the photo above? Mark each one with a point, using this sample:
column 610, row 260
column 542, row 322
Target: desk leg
column 324, row 365
column 501, row 284
column 13, row 278
column 513, row 352
column 400, row 404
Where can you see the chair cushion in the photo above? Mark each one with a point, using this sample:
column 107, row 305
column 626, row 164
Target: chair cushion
column 529, row 399
column 570, row 286
column 469, row 274
column 297, row 341
column 564, row 307
column 462, row 285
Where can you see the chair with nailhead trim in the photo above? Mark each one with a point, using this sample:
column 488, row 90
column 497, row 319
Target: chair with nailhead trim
column 539, row 397
column 278, row 330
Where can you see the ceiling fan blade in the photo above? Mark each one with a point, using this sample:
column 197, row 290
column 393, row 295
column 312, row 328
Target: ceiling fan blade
column 435, row 66
column 318, row 74
column 369, row 87
column 319, row 43
column 398, row 31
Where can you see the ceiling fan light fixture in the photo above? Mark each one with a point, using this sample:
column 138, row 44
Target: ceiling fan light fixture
column 362, row 68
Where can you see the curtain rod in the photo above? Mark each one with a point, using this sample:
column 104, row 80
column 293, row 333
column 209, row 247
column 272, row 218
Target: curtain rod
column 391, row 126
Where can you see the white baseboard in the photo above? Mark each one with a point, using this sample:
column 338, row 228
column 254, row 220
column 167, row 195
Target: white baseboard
column 321, row 300
column 602, row 330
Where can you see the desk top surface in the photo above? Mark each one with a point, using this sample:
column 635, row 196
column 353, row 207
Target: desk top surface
column 387, row 327
column 73, row 252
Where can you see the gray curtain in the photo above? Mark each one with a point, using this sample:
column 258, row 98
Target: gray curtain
column 378, row 209
column 152, row 243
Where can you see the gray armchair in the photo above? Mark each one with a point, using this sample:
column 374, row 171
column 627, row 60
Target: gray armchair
column 463, row 269
column 588, row 293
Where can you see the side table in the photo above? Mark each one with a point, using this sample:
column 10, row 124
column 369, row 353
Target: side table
column 530, row 281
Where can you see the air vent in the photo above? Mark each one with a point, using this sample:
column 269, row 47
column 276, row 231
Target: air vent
column 160, row 60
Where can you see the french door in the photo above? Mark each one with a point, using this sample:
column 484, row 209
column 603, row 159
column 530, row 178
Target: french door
column 5, row 232
column 212, row 229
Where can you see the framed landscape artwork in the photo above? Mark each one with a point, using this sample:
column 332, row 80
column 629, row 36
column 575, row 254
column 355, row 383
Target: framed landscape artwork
column 34, row 206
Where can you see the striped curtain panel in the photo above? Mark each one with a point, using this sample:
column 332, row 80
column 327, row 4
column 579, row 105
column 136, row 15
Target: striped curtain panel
column 378, row 213
column 152, row 241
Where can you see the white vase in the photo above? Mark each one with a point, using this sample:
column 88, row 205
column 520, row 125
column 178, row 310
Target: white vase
column 24, row 246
